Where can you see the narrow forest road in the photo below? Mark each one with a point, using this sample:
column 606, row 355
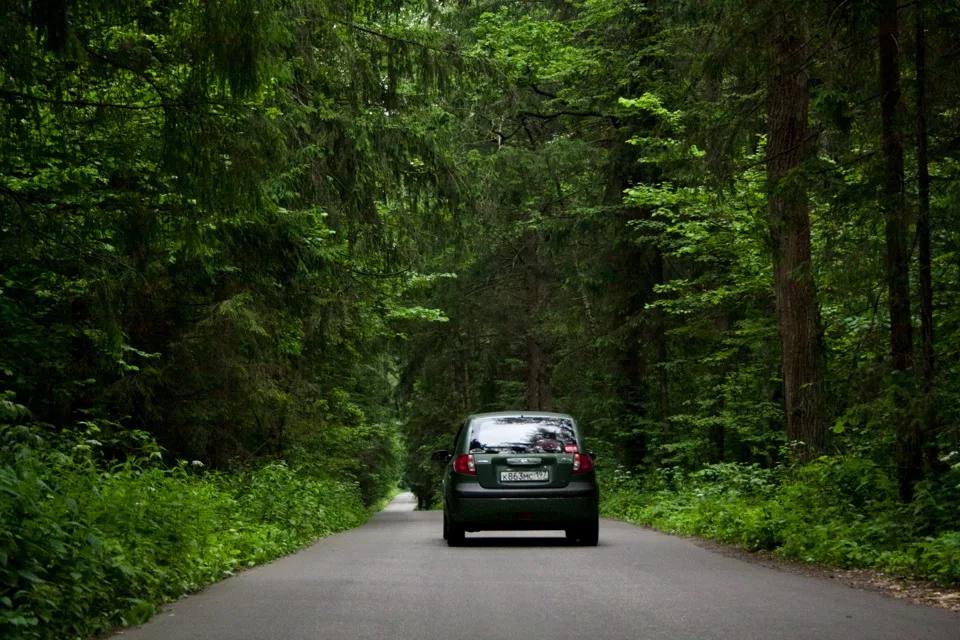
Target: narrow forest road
column 394, row 578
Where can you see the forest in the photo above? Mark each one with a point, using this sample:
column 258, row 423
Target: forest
column 259, row 258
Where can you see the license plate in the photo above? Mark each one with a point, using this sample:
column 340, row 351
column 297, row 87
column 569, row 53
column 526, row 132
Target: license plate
column 524, row 476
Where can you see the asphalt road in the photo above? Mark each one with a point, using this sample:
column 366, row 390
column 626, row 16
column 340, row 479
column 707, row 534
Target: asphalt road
column 394, row 578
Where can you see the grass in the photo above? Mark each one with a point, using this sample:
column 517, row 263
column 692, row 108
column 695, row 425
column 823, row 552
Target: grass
column 85, row 547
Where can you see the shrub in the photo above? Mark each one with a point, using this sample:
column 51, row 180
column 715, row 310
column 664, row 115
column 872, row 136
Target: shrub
column 84, row 547
column 836, row 510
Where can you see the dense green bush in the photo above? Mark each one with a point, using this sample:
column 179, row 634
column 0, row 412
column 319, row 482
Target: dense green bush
column 85, row 546
column 367, row 452
column 837, row 510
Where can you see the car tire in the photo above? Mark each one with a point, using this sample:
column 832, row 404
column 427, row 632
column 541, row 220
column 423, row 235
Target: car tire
column 585, row 535
column 453, row 533
column 590, row 534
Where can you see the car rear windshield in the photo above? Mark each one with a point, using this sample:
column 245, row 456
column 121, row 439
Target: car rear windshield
column 521, row 434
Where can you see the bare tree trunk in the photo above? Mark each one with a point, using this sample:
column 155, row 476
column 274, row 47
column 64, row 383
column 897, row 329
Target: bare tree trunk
column 660, row 337
column 538, row 395
column 928, row 437
column 633, row 268
column 893, row 201
column 461, row 373
column 717, row 435
column 538, row 384
column 923, row 204
column 893, row 204
column 788, row 147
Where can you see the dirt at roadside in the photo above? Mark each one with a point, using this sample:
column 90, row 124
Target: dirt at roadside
column 916, row 591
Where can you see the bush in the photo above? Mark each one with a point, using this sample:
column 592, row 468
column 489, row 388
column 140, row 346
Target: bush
column 368, row 453
column 84, row 548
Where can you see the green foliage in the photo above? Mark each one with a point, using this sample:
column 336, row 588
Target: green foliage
column 366, row 455
column 838, row 511
column 209, row 212
column 85, row 547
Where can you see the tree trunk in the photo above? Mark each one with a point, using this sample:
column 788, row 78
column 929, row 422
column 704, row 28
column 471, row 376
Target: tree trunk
column 923, row 205
column 633, row 271
column 928, row 436
column 717, row 435
column 538, row 384
column 660, row 338
column 788, row 209
column 461, row 372
column 892, row 201
column 893, row 205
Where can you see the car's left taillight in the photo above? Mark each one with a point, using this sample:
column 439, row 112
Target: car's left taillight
column 465, row 464
column 582, row 463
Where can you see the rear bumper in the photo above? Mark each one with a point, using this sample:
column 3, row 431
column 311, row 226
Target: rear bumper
column 477, row 508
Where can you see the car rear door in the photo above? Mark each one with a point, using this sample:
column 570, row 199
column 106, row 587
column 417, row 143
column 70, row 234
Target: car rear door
column 523, row 470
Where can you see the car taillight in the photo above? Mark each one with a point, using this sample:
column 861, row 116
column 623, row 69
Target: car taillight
column 465, row 464
column 582, row 463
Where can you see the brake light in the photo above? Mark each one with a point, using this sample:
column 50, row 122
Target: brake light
column 465, row 464
column 582, row 463
column 570, row 448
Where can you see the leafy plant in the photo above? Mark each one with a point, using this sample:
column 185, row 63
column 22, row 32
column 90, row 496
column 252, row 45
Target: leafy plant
column 86, row 544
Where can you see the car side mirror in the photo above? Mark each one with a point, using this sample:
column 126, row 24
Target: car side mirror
column 441, row 456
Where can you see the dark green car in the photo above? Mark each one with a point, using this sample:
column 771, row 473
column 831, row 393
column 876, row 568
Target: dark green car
column 519, row 470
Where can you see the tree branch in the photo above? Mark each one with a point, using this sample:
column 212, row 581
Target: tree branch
column 80, row 103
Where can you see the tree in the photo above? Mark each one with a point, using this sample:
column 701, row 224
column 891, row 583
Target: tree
column 788, row 148
column 210, row 212
column 893, row 205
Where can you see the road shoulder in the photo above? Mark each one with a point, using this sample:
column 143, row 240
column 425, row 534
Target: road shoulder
column 919, row 592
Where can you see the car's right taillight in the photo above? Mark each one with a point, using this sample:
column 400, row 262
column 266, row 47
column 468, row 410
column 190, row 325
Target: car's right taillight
column 582, row 463
column 465, row 464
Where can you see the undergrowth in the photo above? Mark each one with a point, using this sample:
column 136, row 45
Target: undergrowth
column 86, row 544
column 840, row 511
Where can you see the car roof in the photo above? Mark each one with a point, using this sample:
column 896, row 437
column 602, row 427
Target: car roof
column 524, row 414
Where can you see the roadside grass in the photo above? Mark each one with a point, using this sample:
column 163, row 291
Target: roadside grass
column 839, row 511
column 87, row 545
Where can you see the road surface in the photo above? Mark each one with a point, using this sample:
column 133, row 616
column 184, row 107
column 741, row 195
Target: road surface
column 395, row 579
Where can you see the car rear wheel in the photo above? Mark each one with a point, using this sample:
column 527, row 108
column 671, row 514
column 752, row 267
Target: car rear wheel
column 452, row 532
column 585, row 535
